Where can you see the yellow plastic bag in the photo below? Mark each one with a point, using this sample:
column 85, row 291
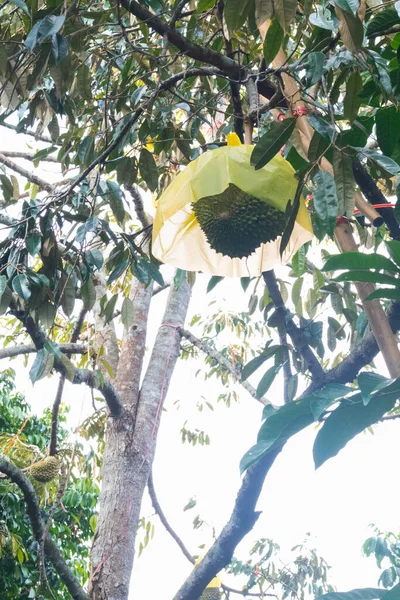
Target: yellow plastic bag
column 177, row 237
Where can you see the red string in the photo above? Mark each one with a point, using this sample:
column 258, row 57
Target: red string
column 384, row 205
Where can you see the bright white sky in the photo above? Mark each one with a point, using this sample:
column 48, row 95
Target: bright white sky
column 335, row 504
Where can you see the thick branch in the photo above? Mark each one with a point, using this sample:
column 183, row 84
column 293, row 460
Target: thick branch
column 243, row 519
column 54, row 416
column 294, row 332
column 138, row 203
column 41, row 138
column 110, row 394
column 164, row 521
column 41, row 183
column 33, row 510
column 31, row 349
column 224, row 362
column 27, row 156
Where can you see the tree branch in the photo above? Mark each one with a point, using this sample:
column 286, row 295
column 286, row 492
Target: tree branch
column 294, row 332
column 41, row 138
column 41, row 183
column 110, row 394
column 138, row 203
column 224, row 362
column 33, row 510
column 242, row 520
column 27, row 156
column 31, row 349
column 163, row 519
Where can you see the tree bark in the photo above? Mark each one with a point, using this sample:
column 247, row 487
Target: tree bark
column 131, row 441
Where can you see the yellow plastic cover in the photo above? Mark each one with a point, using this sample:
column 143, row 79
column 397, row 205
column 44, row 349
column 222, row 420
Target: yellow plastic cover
column 177, row 237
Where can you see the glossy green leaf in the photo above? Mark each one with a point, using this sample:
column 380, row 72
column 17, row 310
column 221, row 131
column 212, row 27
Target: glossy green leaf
column 213, row 281
column 5, row 300
column 385, row 294
column 352, row 102
column 345, row 184
column 20, row 285
column 109, row 308
column 351, row 30
column 118, row 271
column 380, row 160
column 148, row 169
column 285, row 12
column 271, row 142
column 235, row 13
column 314, row 67
column 266, row 381
column 21, row 4
column 369, row 382
column 383, row 20
column 42, row 365
column 368, row 276
column 88, row 294
column 361, row 594
column 33, row 243
column 114, row 197
column 256, row 362
column 357, row 261
column 67, row 290
column 273, row 41
column 326, row 201
column 347, row 421
column 350, row 6
column 393, row 594
column 317, row 147
column 393, row 247
column 387, row 129
column 127, row 312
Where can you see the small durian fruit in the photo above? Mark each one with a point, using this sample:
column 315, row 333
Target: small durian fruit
column 211, row 593
column 45, row 470
column 236, row 223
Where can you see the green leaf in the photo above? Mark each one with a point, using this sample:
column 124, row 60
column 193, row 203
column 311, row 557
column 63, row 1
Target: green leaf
column 109, row 308
column 393, row 247
column 393, row 594
column 317, row 147
column 67, row 290
column 214, row 280
column 114, row 197
column 256, row 362
column 285, row 12
column 152, row 270
column 46, row 313
column 7, row 187
column 20, row 285
column 148, row 169
column 3, row 284
column 235, row 13
column 345, row 184
column 68, row 367
column 179, row 278
column 266, row 381
column 352, row 102
column 348, row 420
column 351, row 30
column 84, row 82
column 314, row 67
column 127, row 312
column 358, row 260
column 273, row 41
column 369, row 382
column 326, row 201
column 385, row 162
column 21, row 4
column 5, row 299
column 384, row 20
column 43, row 29
column 291, row 214
column 127, row 169
column 385, row 293
column 88, row 294
column 85, row 152
column 42, row 365
column 264, row 11
column 118, row 271
column 362, row 594
column 350, row 6
column 271, row 142
column 387, row 122
column 33, row 243
column 59, row 46
column 323, row 398
column 368, row 276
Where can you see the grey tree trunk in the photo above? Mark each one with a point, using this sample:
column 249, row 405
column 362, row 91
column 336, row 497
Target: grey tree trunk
column 131, row 441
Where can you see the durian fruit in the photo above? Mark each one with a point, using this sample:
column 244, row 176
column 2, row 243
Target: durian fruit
column 236, row 223
column 211, row 593
column 45, row 470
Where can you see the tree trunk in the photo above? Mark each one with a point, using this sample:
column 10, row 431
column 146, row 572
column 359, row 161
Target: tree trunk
column 131, row 441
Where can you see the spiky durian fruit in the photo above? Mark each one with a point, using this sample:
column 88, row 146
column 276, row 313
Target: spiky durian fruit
column 211, row 593
column 45, row 470
column 236, row 223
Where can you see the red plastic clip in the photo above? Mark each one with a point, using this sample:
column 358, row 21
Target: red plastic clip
column 281, row 116
column 341, row 220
